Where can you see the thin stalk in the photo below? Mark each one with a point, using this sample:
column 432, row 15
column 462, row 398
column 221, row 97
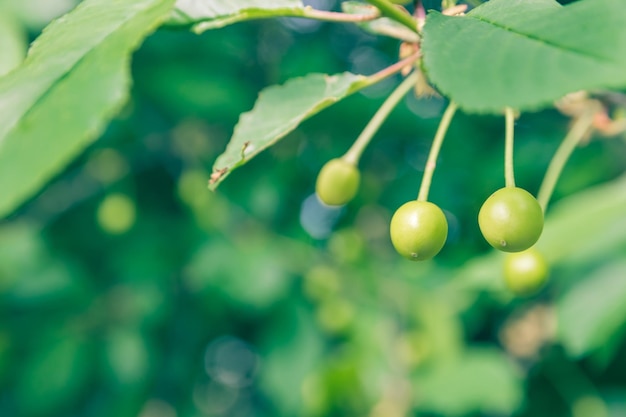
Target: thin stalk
column 307, row 13
column 392, row 69
column 509, row 172
column 578, row 131
column 392, row 11
column 311, row 13
column 431, row 163
column 356, row 150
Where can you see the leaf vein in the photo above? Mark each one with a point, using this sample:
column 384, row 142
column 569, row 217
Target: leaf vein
column 544, row 41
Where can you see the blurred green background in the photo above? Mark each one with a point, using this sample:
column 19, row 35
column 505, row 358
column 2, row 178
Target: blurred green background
column 128, row 289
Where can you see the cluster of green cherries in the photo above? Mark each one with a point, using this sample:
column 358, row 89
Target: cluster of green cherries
column 511, row 219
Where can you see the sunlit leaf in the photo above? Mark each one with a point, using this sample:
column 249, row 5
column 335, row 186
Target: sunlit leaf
column 278, row 111
column 525, row 53
column 74, row 80
column 213, row 14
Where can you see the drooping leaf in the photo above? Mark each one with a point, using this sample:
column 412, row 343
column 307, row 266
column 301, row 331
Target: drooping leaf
column 212, row 14
column 593, row 311
column 381, row 26
column 525, row 53
column 75, row 78
column 278, row 111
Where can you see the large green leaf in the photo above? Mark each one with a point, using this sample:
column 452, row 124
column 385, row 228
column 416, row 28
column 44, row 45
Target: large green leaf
column 525, row 53
column 279, row 110
column 592, row 312
column 213, row 14
column 74, row 80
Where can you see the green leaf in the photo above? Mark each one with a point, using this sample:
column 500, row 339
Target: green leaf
column 278, row 111
column 525, row 53
column 382, row 26
column 592, row 312
column 13, row 42
column 213, row 14
column 483, row 380
column 574, row 224
column 75, row 78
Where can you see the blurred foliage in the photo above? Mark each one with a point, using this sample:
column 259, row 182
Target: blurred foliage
column 128, row 289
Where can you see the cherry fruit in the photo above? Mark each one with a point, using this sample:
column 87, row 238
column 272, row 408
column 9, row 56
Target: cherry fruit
column 337, row 182
column 418, row 230
column 511, row 219
column 525, row 272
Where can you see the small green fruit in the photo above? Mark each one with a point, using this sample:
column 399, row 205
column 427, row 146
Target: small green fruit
column 525, row 272
column 511, row 219
column 337, row 182
column 418, row 230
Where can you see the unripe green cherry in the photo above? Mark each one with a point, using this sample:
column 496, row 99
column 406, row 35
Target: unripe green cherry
column 418, row 230
column 525, row 272
column 511, row 219
column 337, row 182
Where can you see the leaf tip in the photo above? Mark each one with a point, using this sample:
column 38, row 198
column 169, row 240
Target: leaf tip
column 217, row 175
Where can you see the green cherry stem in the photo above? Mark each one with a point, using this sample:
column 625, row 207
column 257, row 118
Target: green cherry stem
column 509, row 172
column 393, row 12
column 431, row 163
column 312, row 13
column 579, row 130
column 392, row 69
column 308, row 13
column 356, row 150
